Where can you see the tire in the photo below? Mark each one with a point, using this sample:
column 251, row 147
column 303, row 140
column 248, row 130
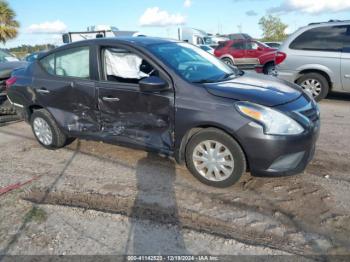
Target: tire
column 58, row 138
column 215, row 137
column 228, row 61
column 6, row 108
column 269, row 69
column 315, row 77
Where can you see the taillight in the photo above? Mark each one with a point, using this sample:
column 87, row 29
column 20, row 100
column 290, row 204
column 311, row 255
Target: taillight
column 280, row 57
column 9, row 82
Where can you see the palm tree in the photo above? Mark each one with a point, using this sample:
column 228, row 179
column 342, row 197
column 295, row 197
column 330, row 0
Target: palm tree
column 8, row 25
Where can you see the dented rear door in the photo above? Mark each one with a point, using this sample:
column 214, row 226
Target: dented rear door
column 63, row 86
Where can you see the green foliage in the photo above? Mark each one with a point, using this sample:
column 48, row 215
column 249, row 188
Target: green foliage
column 8, row 25
column 31, row 48
column 273, row 28
column 23, row 50
column 36, row 214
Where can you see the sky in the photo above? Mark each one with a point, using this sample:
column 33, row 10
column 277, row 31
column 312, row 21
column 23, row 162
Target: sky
column 44, row 21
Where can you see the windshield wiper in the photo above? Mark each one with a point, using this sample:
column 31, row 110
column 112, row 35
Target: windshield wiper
column 226, row 76
column 203, row 81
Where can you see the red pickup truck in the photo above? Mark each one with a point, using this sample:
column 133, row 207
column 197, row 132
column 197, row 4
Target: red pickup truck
column 243, row 52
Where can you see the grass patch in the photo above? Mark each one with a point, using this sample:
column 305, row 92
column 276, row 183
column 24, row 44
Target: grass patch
column 37, row 215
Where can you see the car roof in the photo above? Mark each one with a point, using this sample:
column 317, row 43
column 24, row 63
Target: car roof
column 128, row 40
column 138, row 41
column 325, row 24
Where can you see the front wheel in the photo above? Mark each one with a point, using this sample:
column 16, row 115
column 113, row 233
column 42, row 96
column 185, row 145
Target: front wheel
column 215, row 158
column 46, row 130
column 316, row 84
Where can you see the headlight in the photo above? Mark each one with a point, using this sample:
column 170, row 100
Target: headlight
column 273, row 121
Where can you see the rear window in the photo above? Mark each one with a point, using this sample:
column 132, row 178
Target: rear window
column 74, row 62
column 329, row 38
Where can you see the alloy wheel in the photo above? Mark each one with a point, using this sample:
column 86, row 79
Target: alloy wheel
column 312, row 86
column 42, row 131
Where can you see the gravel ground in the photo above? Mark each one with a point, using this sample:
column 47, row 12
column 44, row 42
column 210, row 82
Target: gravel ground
column 95, row 198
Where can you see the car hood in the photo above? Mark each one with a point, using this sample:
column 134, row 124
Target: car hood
column 256, row 88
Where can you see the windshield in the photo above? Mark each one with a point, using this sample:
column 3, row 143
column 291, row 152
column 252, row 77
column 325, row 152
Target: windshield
column 192, row 63
column 6, row 57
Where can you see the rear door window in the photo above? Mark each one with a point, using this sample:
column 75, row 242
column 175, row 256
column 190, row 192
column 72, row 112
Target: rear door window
column 239, row 45
column 325, row 38
column 74, row 62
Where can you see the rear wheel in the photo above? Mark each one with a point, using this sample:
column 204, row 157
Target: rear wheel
column 316, row 84
column 46, row 130
column 215, row 158
column 269, row 69
column 228, row 61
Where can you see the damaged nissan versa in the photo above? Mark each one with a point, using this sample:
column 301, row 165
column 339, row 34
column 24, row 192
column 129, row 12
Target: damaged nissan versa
column 171, row 98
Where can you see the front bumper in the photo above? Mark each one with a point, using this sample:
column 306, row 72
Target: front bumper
column 270, row 155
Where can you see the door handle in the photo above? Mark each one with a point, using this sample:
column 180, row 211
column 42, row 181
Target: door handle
column 42, row 91
column 347, row 76
column 110, row 99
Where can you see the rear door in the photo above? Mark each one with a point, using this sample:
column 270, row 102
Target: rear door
column 345, row 62
column 237, row 50
column 64, row 87
column 127, row 114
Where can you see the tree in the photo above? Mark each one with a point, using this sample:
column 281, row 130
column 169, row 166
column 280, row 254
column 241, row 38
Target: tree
column 273, row 28
column 8, row 25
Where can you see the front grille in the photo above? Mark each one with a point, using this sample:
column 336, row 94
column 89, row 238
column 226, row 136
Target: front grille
column 310, row 112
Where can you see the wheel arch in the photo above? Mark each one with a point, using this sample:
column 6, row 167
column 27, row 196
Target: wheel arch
column 30, row 110
column 322, row 72
column 228, row 56
column 180, row 153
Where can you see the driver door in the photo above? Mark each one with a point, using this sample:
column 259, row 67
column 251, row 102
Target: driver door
column 128, row 115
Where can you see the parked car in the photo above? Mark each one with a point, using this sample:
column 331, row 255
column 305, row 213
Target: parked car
column 267, row 63
column 242, row 52
column 273, row 44
column 33, row 56
column 172, row 98
column 317, row 57
column 8, row 63
column 208, row 49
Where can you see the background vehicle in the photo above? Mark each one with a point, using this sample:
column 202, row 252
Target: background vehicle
column 220, row 121
column 208, row 49
column 33, row 56
column 195, row 36
column 8, row 63
column 242, row 53
column 317, row 57
column 99, row 31
column 238, row 36
column 273, row 44
column 267, row 63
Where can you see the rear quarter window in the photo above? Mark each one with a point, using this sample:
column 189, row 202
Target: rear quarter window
column 326, row 38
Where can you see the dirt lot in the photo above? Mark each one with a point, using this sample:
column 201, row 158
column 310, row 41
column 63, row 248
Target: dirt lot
column 93, row 198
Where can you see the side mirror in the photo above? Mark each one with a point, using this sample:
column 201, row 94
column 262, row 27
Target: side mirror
column 153, row 84
column 260, row 48
column 65, row 38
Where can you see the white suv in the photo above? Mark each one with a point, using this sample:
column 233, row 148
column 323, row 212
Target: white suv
column 317, row 57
